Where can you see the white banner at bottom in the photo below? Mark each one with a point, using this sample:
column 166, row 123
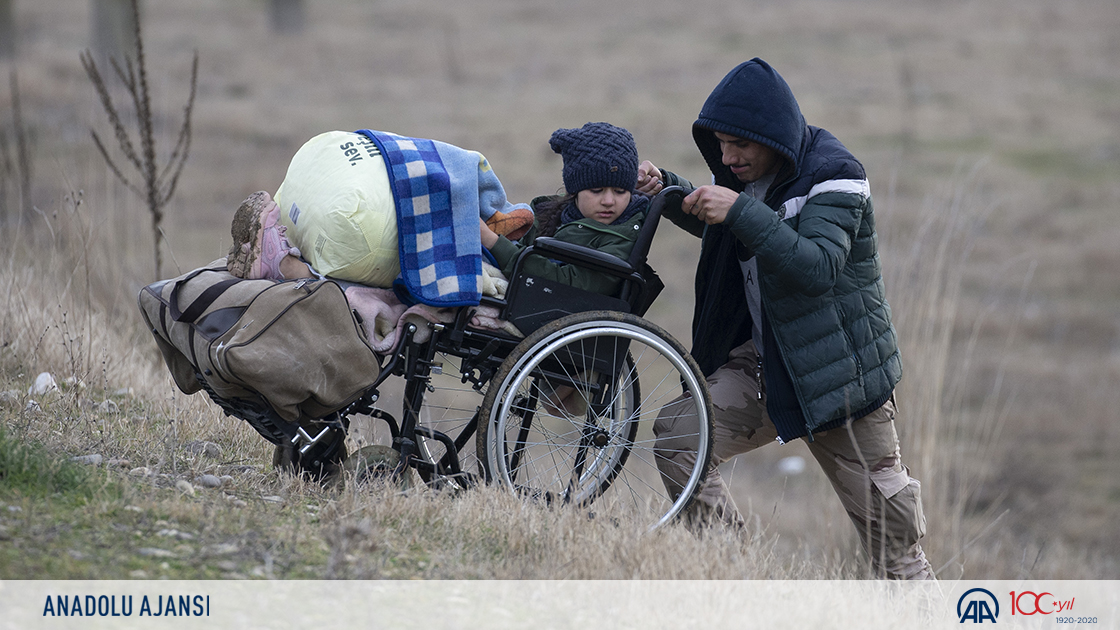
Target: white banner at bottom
column 556, row 605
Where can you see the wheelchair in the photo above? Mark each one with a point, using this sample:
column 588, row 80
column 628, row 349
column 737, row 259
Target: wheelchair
column 564, row 415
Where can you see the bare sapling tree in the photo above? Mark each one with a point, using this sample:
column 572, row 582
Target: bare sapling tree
column 23, row 150
column 17, row 168
column 155, row 184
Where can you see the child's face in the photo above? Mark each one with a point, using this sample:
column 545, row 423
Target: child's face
column 602, row 204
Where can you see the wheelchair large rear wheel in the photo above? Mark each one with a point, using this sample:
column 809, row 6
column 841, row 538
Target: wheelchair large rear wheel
column 569, row 417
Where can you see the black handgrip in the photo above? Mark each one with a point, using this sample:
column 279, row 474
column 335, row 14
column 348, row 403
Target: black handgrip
column 667, row 198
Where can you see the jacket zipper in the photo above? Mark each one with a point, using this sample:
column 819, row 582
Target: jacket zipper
column 855, row 356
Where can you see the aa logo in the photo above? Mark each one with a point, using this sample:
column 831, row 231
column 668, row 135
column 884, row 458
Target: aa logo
column 977, row 605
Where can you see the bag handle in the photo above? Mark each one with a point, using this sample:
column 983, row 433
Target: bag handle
column 203, row 301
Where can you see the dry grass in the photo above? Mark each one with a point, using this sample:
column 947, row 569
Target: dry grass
column 988, row 129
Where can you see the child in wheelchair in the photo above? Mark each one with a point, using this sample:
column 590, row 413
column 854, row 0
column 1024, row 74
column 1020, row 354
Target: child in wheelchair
column 599, row 209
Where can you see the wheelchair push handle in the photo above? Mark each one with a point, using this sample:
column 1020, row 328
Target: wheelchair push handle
column 670, row 197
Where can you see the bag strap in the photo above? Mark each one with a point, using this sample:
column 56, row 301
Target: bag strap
column 203, row 301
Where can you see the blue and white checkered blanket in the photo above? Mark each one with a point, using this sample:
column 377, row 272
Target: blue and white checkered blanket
column 440, row 191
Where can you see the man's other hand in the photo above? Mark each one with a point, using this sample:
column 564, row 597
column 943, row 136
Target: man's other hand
column 710, row 203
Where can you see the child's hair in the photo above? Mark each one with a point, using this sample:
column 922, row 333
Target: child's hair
column 548, row 213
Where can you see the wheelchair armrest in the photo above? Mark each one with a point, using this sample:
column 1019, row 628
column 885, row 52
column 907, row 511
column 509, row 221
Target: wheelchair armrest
column 548, row 299
column 570, row 253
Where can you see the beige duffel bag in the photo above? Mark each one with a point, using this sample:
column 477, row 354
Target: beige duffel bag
column 295, row 344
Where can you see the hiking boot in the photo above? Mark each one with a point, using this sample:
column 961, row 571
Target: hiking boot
column 259, row 243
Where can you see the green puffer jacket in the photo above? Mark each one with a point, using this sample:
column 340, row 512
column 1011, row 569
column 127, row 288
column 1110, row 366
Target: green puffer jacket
column 831, row 351
column 822, row 291
column 616, row 240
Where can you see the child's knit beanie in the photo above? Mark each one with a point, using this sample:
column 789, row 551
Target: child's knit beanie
column 597, row 155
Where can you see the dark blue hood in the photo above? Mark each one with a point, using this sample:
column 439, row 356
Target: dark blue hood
column 754, row 102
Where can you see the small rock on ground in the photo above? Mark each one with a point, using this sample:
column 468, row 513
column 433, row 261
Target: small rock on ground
column 93, row 459
column 43, row 383
column 200, row 447
column 209, row 481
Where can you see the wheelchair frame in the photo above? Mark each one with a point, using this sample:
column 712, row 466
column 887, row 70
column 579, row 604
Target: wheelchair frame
column 578, row 340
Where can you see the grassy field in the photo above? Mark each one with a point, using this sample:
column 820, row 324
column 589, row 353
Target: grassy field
column 990, row 133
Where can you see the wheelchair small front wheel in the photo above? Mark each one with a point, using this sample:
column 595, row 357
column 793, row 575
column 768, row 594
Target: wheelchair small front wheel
column 574, row 413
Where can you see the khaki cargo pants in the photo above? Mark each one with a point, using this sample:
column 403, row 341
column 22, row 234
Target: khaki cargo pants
column 861, row 460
